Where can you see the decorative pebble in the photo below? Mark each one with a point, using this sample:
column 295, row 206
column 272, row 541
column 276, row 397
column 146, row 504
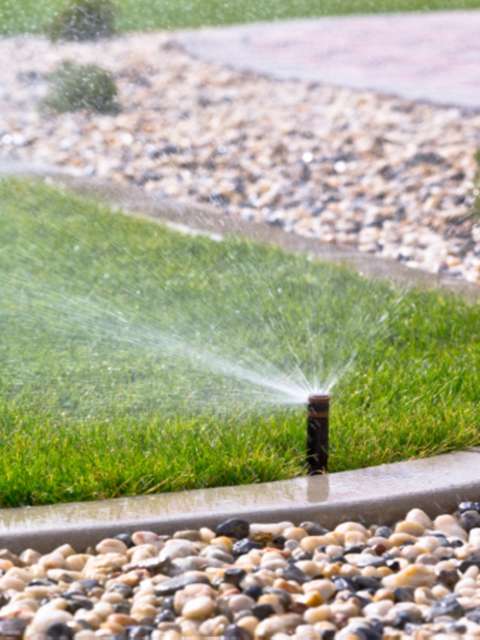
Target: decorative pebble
column 372, row 589
column 380, row 173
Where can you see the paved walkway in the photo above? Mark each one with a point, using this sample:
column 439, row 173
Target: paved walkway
column 433, row 56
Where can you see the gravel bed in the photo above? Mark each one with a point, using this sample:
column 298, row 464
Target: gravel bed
column 419, row 579
column 386, row 175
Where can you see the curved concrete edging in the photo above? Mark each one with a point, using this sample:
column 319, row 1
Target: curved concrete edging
column 375, row 495
column 212, row 222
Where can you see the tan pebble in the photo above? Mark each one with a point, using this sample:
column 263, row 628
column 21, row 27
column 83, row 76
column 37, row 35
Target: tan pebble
column 189, row 592
column 325, row 588
column 317, row 614
column 143, row 610
column 113, row 597
column 5, row 565
column 333, row 550
column 415, row 575
column 46, row 617
column 306, row 632
column 144, row 537
column 111, row 545
column 38, row 592
column 177, row 548
column 383, row 572
column 353, row 538
column 413, row 528
column 345, row 609
column 22, row 574
column 188, row 534
column 399, row 539
column 8, row 583
column 171, row 634
column 384, row 594
column 272, row 564
column 411, row 552
column 472, row 572
column 103, row 609
column 117, row 622
column 189, row 628
column 449, row 526
column 240, row 602
column 428, row 543
column 422, row 595
column 142, row 552
column 274, row 530
column 30, row 556
column 309, row 567
column 310, row 543
column 277, row 624
column 294, row 533
column 85, row 635
column 378, row 609
column 214, row 627
column 474, row 536
column 249, row 623
column 131, row 578
column 63, row 575
column 65, row 550
column 52, row 561
column 332, row 570
column 198, row 608
column 345, row 527
column 369, row 572
column 312, row 599
column 465, row 551
column 348, row 571
column 439, row 591
column 420, row 517
column 76, row 562
column 206, row 535
column 287, row 585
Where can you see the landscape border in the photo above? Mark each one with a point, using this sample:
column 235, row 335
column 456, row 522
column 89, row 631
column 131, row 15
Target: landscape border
column 378, row 494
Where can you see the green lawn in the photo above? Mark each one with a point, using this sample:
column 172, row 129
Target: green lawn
column 33, row 15
column 116, row 334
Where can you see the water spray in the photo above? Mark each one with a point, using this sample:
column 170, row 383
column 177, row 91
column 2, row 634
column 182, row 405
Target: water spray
column 317, row 434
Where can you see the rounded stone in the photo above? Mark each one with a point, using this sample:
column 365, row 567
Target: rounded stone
column 233, row 528
column 198, row 608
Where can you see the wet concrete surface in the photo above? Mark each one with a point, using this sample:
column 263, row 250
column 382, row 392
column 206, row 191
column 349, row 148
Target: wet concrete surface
column 379, row 494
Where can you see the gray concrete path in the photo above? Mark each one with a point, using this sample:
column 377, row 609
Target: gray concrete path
column 429, row 56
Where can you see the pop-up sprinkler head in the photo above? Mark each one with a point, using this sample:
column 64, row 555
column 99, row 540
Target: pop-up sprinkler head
column 317, row 434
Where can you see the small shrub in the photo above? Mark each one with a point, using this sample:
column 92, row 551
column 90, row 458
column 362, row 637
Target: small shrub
column 82, row 86
column 84, row 20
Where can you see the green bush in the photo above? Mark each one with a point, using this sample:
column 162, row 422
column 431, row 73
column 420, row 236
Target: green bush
column 82, row 86
column 84, row 20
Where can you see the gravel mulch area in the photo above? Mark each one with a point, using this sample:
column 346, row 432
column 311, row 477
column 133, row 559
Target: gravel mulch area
column 386, row 175
column 418, row 579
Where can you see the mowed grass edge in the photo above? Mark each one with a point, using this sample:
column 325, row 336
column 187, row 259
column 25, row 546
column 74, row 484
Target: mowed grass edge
column 141, row 15
column 412, row 392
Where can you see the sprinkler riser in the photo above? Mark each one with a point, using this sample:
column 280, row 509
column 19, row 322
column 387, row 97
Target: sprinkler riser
column 317, row 434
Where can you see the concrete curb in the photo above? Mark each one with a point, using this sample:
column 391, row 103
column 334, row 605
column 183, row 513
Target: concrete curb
column 379, row 495
column 376, row 494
